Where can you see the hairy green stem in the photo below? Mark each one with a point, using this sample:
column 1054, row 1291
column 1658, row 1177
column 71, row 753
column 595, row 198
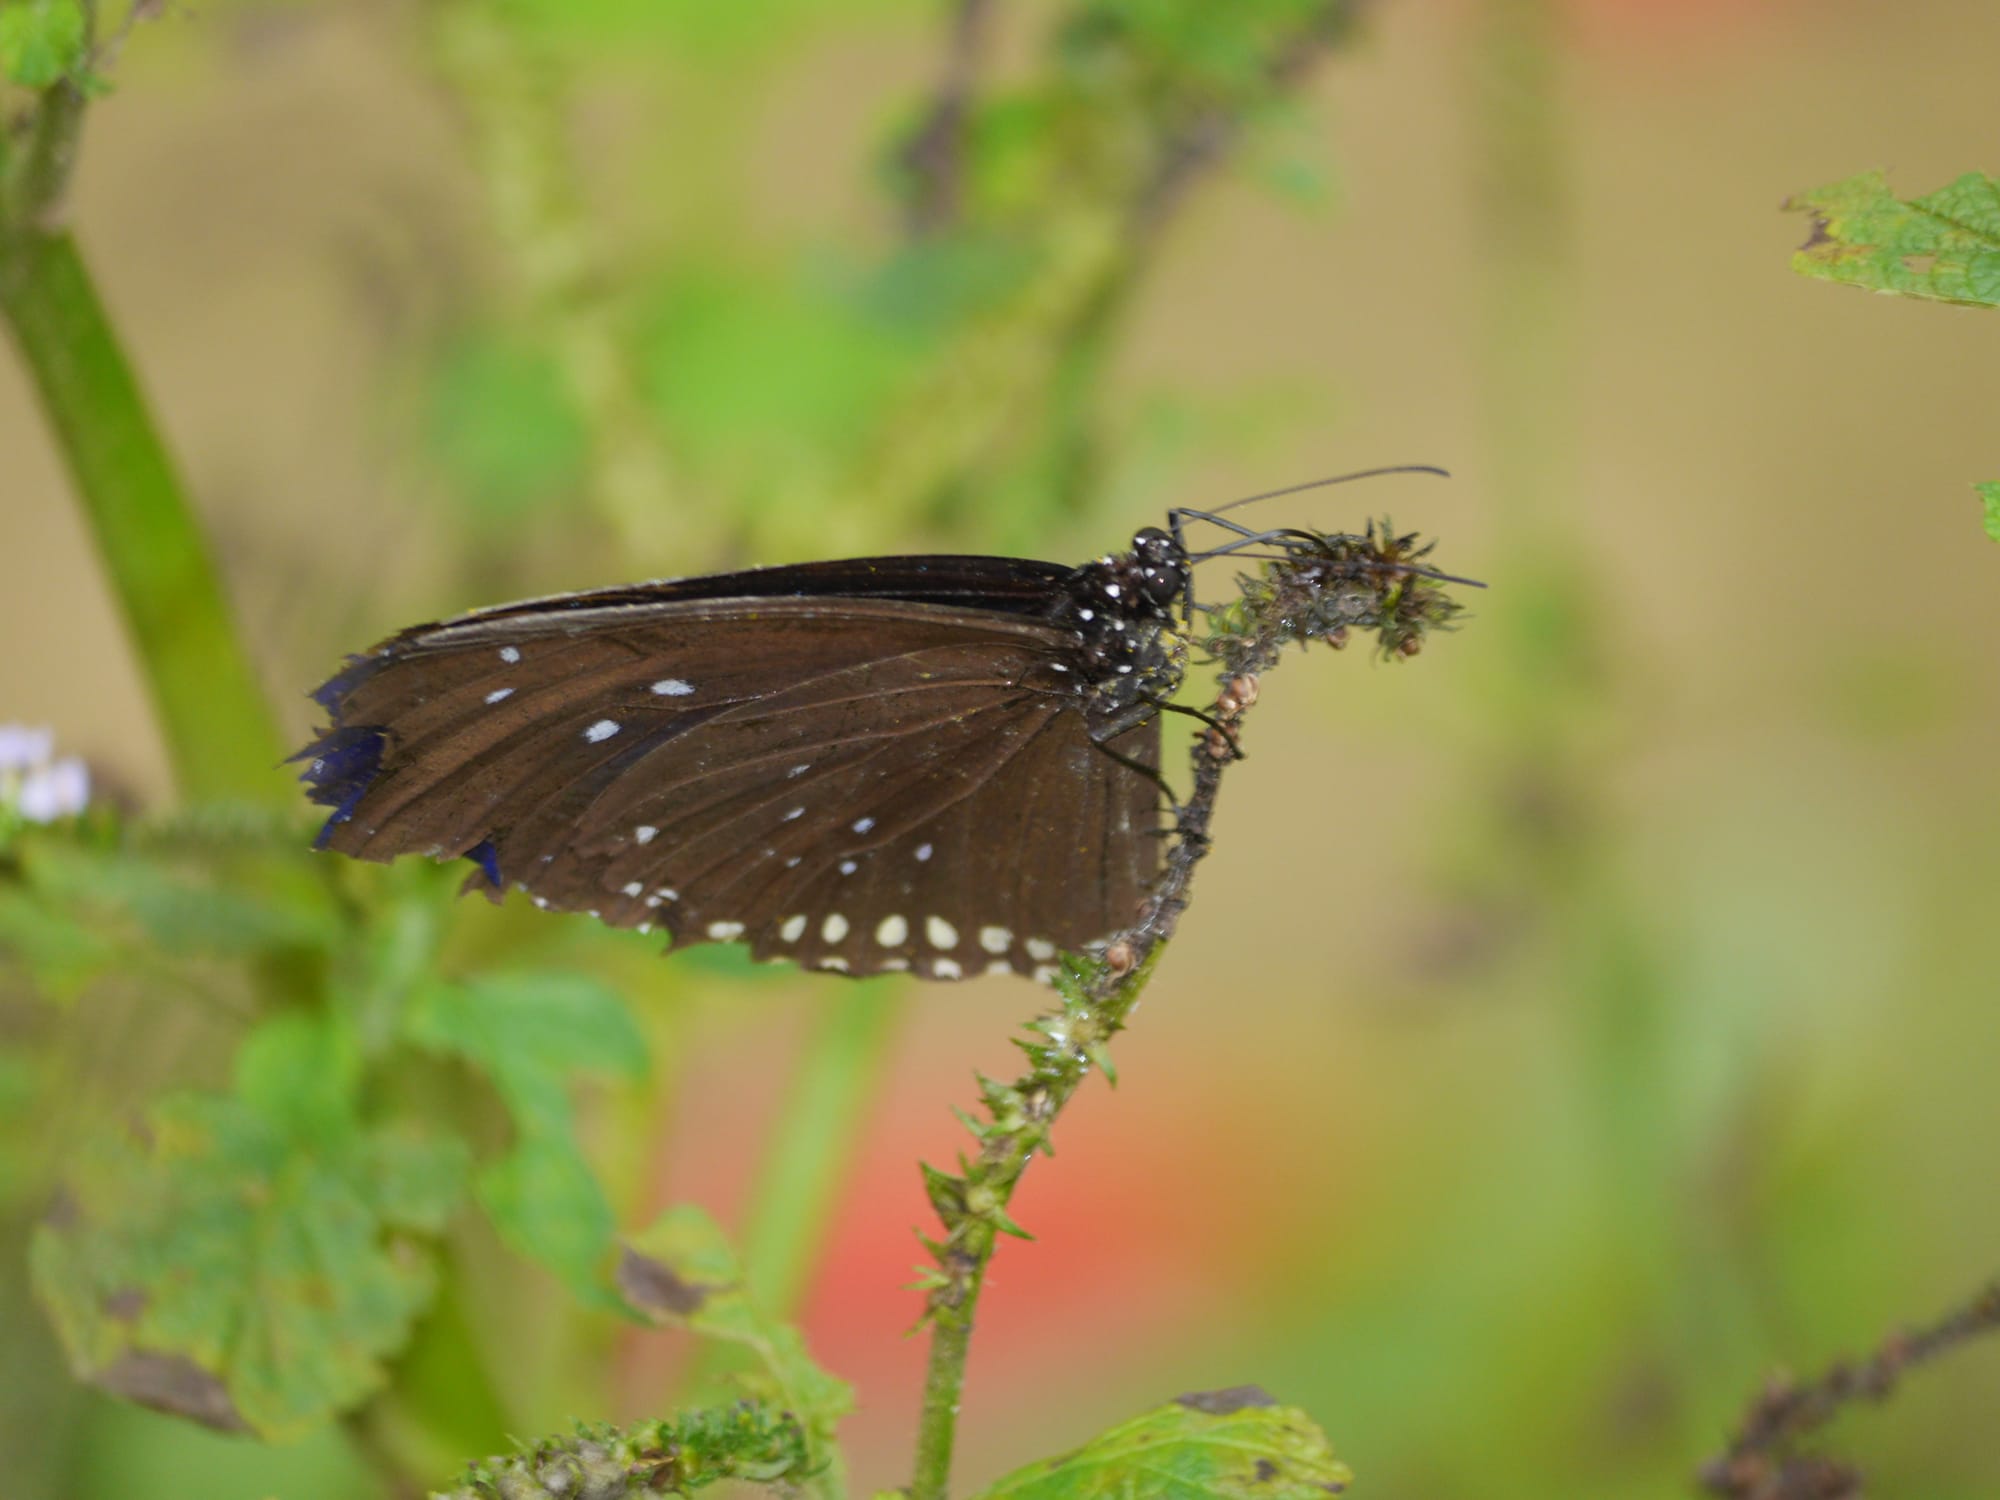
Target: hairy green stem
column 825, row 1111
column 217, row 726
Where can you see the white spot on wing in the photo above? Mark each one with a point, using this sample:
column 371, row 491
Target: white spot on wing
column 999, row 966
column 672, row 687
column 940, row 932
column 793, row 928
column 923, row 852
column 995, row 939
column 838, row 965
column 862, row 825
column 634, row 887
column 510, row 654
column 498, row 694
column 834, row 928
column 1046, row 973
column 945, row 968
column 894, row 965
column 644, row 833
column 892, row 932
column 1041, row 949
column 799, row 770
column 848, row 867
column 797, row 812
column 724, row 932
column 603, row 729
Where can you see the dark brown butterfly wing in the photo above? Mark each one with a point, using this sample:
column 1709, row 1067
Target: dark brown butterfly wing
column 864, row 784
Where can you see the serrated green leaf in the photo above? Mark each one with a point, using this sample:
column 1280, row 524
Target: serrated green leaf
column 1944, row 247
column 530, row 1034
column 214, row 1263
column 302, row 1072
column 1989, row 500
column 1217, row 1445
column 182, row 910
column 548, row 1204
column 40, row 41
column 681, row 1270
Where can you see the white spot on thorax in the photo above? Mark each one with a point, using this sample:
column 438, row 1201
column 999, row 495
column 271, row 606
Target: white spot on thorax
column 995, row 939
column 793, row 928
column 645, row 833
column 603, row 729
column 834, row 928
column 1086, row 614
column 672, row 687
column 1111, row 590
column 724, row 932
column 940, row 932
column 1041, row 949
column 893, row 932
column 510, row 654
column 498, row 694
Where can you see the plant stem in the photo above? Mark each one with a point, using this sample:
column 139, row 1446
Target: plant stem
column 816, row 1137
column 1321, row 588
column 212, row 713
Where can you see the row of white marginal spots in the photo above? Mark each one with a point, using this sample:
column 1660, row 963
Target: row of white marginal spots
column 891, row 932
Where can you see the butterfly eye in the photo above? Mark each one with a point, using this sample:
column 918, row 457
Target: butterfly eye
column 1162, row 565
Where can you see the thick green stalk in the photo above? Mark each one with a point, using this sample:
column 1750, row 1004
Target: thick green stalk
column 825, row 1110
column 216, row 723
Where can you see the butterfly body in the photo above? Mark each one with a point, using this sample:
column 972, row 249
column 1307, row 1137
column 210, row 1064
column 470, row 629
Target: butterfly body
column 940, row 765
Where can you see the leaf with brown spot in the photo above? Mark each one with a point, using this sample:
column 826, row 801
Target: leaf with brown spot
column 1944, row 247
column 681, row 1271
column 1235, row 1444
column 242, row 1270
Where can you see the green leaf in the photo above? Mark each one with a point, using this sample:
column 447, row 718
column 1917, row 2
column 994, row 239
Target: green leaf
column 215, row 1263
column 40, row 41
column 1944, row 247
column 1216, row 1445
column 529, row 1033
column 503, row 425
column 681, row 1271
column 690, row 1451
column 1989, row 498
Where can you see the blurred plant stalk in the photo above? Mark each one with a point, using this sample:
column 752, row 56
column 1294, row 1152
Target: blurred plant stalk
column 218, row 729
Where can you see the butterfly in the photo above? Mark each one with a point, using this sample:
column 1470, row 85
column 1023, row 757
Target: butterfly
column 941, row 765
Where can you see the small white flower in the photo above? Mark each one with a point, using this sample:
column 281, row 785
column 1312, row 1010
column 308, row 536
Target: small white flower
column 37, row 786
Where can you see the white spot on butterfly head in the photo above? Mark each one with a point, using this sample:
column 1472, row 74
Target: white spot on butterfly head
column 634, row 887
column 672, row 687
column 892, row 932
column 797, row 812
column 724, row 932
column 792, row 928
column 923, row 852
column 498, row 694
column 644, row 833
column 940, row 932
column 862, row 825
column 848, row 867
column 834, row 928
column 995, row 939
column 1041, row 949
column 510, row 654
column 945, row 968
column 603, row 729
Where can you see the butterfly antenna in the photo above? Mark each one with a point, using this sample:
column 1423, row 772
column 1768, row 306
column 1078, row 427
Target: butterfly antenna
column 1320, row 484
